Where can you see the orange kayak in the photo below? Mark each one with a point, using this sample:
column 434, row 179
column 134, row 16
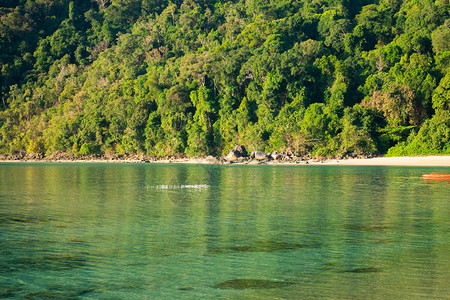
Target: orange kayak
column 437, row 176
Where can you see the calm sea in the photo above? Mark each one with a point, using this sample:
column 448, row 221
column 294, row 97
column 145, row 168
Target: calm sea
column 144, row 231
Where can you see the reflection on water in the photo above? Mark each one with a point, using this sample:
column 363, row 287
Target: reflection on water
column 70, row 231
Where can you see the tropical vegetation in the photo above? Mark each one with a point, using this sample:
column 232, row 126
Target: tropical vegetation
column 197, row 77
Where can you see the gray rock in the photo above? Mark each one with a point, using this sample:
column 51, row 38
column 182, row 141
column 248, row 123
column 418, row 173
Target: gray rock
column 259, row 155
column 277, row 155
column 233, row 155
column 241, row 150
column 238, row 152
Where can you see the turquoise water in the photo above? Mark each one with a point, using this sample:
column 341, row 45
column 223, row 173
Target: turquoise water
column 142, row 231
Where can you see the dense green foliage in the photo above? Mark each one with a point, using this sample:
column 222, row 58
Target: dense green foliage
column 197, row 77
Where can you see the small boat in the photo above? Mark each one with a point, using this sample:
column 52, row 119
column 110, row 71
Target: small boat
column 437, row 176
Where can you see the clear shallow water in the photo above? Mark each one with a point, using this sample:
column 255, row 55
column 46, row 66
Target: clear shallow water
column 116, row 231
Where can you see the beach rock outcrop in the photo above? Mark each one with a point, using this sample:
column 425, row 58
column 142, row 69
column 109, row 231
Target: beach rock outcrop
column 259, row 155
column 17, row 155
column 241, row 150
column 238, row 152
column 277, row 155
column 233, row 155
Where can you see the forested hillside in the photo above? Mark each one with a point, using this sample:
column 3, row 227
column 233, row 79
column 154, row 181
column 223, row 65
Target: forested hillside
column 198, row 77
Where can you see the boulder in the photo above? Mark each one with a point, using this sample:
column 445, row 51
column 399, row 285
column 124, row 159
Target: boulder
column 259, row 155
column 238, row 152
column 277, row 155
column 233, row 155
column 241, row 150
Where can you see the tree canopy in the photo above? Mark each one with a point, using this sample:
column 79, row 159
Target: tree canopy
column 198, row 77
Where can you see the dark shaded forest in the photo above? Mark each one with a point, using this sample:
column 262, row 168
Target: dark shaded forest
column 197, row 77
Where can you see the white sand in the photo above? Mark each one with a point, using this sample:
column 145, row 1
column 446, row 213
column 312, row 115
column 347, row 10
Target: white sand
column 430, row 161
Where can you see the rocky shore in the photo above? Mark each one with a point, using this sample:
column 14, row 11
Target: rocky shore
column 238, row 155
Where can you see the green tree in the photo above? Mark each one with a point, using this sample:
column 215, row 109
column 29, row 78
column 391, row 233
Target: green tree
column 200, row 128
column 357, row 131
column 441, row 95
column 441, row 37
column 432, row 138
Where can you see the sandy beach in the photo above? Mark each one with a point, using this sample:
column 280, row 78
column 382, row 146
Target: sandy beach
column 418, row 161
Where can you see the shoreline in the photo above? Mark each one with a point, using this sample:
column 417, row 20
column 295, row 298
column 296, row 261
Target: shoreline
column 413, row 161
column 402, row 161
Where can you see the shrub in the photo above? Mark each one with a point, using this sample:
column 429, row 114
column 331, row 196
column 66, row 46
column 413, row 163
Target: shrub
column 86, row 149
column 432, row 138
column 35, row 146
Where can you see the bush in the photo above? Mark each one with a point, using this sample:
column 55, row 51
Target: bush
column 86, row 149
column 432, row 138
column 356, row 135
column 35, row 146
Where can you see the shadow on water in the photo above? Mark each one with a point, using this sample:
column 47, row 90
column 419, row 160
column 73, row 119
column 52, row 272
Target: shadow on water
column 22, row 220
column 361, row 270
column 10, row 291
column 255, row 284
column 338, row 269
column 358, row 227
column 261, row 246
column 62, row 293
column 18, row 291
column 45, row 263
column 10, row 247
